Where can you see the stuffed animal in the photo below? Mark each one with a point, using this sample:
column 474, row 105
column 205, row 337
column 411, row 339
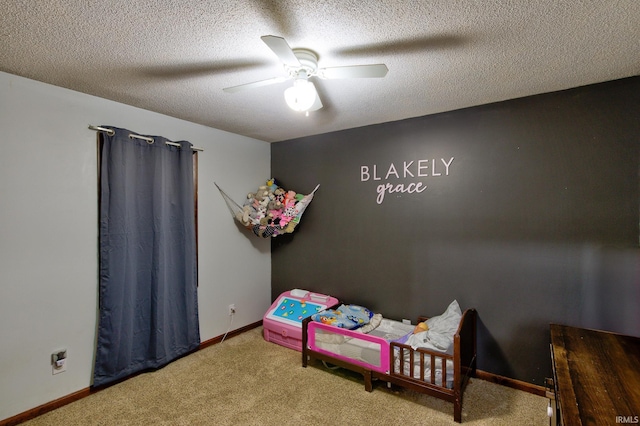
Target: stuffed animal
column 262, row 192
column 243, row 215
column 274, row 215
column 422, row 326
column 279, row 194
column 290, row 227
column 274, row 205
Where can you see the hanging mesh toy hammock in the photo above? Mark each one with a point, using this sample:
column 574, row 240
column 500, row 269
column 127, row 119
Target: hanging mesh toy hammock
column 271, row 210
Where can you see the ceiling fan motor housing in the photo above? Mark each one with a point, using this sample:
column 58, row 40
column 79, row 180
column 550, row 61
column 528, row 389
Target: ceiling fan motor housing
column 308, row 63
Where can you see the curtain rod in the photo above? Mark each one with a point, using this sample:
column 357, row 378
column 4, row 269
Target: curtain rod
column 111, row 132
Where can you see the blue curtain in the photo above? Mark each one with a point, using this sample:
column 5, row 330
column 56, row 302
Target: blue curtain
column 148, row 271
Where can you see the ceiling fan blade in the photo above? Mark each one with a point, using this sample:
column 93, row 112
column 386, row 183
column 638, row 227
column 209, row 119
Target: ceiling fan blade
column 354, row 71
column 255, row 84
column 281, row 48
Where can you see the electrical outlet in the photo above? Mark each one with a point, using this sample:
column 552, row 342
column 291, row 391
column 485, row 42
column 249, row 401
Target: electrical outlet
column 232, row 309
column 59, row 361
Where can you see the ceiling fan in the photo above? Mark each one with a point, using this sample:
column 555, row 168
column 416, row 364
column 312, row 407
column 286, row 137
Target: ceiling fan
column 300, row 65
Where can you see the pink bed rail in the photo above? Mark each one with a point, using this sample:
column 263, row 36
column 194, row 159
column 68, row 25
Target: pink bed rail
column 383, row 346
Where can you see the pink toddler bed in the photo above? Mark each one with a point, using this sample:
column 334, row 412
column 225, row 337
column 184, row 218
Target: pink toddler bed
column 389, row 351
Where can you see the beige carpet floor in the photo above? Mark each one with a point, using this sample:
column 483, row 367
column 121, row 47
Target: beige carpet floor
column 248, row 381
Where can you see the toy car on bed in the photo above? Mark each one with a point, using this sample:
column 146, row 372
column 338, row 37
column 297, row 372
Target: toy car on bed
column 437, row 359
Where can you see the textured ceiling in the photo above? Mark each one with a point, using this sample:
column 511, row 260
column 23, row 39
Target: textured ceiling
column 176, row 56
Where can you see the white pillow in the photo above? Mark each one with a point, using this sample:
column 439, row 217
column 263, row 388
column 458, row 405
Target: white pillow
column 448, row 322
column 442, row 328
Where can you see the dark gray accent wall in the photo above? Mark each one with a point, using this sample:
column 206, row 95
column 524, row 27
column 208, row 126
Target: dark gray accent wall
column 530, row 215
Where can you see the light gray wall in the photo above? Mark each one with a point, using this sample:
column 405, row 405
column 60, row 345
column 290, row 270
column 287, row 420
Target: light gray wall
column 48, row 233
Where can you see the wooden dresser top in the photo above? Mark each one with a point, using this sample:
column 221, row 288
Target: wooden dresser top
column 597, row 376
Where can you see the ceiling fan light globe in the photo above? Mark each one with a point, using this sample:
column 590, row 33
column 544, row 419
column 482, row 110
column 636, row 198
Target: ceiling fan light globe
column 301, row 96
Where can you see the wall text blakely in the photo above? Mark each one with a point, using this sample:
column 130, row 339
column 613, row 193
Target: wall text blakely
column 413, row 170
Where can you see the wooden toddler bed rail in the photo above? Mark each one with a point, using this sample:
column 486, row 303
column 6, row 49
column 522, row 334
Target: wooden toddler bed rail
column 412, row 368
